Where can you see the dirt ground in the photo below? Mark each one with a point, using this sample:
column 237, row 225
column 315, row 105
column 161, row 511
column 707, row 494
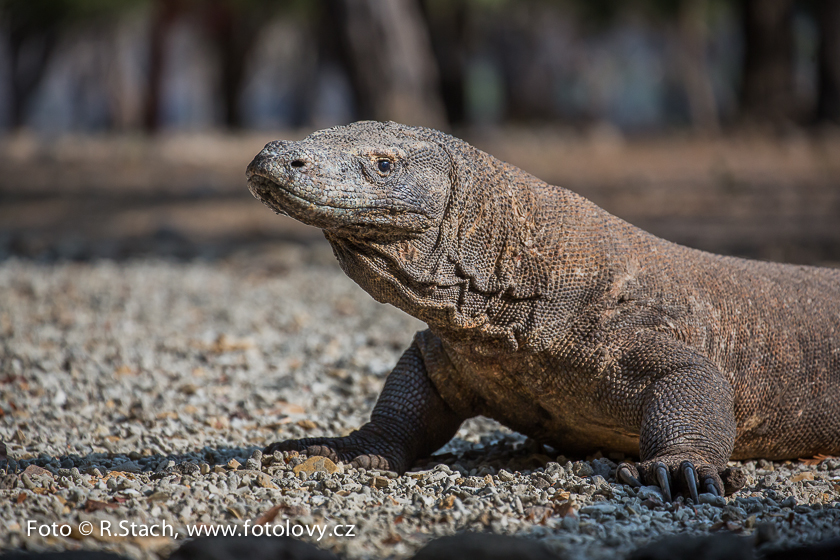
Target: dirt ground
column 775, row 198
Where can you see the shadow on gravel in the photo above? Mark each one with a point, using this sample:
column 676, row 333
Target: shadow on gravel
column 471, row 546
column 509, row 455
column 510, row 452
column 156, row 466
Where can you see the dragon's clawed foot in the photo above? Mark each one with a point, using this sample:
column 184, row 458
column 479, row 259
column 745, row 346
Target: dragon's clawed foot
column 359, row 451
column 672, row 474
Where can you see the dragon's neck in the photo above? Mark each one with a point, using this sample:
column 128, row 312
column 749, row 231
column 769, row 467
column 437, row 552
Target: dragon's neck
column 497, row 261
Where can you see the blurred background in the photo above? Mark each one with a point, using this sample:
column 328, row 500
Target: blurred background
column 126, row 125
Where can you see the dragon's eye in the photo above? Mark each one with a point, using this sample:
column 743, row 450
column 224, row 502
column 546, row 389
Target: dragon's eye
column 384, row 166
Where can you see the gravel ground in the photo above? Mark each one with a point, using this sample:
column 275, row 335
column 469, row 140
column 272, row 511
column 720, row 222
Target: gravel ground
column 141, row 392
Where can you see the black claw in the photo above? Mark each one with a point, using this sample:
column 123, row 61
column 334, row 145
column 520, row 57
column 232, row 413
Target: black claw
column 710, row 487
column 623, row 475
column 690, row 476
column 663, row 478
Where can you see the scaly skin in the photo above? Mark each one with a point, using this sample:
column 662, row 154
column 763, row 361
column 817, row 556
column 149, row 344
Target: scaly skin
column 558, row 319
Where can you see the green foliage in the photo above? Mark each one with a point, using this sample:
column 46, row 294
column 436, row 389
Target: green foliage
column 475, row 6
column 604, row 12
column 264, row 6
column 30, row 16
column 598, row 12
column 56, row 10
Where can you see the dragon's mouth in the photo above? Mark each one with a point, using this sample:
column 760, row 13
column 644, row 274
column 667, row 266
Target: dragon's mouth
column 264, row 190
column 267, row 190
column 354, row 215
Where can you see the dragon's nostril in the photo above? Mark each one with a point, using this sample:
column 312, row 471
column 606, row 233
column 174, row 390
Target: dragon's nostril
column 298, row 163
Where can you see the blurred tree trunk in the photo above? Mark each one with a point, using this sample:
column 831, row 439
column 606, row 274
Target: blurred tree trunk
column 526, row 62
column 828, row 101
column 695, row 69
column 27, row 77
column 33, row 30
column 234, row 32
column 124, row 96
column 447, row 24
column 390, row 60
column 767, row 92
column 164, row 15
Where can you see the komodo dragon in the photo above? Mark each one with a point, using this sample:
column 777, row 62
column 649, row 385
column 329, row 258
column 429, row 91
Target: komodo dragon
column 556, row 318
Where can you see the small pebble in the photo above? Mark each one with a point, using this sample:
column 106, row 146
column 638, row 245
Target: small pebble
column 711, row 499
